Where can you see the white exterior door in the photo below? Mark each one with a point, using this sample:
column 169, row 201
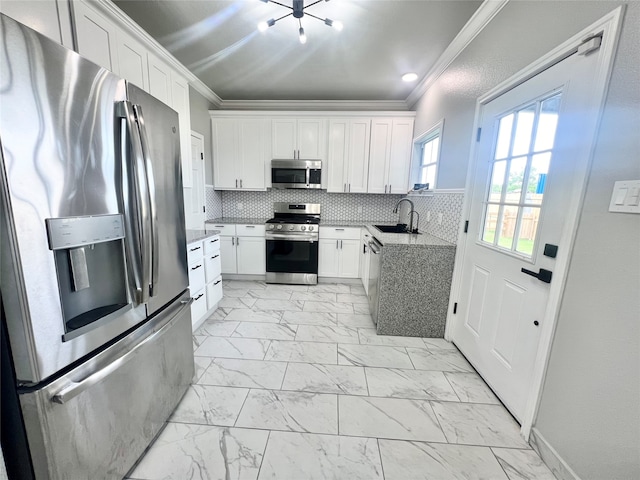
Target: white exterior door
column 529, row 161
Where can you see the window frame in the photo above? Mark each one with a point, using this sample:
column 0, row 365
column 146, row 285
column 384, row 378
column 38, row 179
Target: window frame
column 435, row 132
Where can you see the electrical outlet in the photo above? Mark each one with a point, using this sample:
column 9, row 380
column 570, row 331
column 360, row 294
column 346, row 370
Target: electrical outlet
column 440, row 218
column 429, row 216
column 239, row 206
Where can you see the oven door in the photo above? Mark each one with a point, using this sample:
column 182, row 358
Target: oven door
column 292, row 259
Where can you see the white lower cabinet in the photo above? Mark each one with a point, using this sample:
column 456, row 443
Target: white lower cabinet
column 243, row 249
column 205, row 277
column 338, row 252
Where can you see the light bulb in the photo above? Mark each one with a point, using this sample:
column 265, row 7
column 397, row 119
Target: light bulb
column 303, row 37
column 262, row 26
column 338, row 25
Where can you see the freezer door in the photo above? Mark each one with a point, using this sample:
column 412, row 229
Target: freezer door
column 95, row 422
column 59, row 160
column 161, row 144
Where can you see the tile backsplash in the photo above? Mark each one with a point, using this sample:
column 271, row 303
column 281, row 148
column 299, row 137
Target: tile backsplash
column 343, row 207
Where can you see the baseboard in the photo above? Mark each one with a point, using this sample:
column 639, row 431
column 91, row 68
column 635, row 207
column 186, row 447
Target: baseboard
column 350, row 281
column 550, row 457
column 250, row 278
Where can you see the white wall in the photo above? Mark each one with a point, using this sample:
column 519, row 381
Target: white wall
column 590, row 408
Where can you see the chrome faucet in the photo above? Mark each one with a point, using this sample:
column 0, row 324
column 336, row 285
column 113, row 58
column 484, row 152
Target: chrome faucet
column 395, row 210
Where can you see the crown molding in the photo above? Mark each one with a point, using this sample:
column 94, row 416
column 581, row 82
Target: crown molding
column 311, row 113
column 109, row 9
column 478, row 21
column 315, row 105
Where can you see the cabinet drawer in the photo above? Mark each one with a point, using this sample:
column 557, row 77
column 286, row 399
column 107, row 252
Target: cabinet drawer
column 195, row 251
column 344, row 233
column 211, row 245
column 212, row 266
column 250, row 230
column 196, row 275
column 199, row 305
column 225, row 230
column 214, row 293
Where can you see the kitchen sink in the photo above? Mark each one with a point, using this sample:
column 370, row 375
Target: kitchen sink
column 399, row 228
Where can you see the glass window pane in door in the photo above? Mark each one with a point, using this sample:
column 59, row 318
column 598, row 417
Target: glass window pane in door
column 497, row 180
column 504, row 136
column 508, row 226
column 515, row 179
column 547, row 124
column 537, row 178
column 490, row 223
column 528, row 230
column 524, row 129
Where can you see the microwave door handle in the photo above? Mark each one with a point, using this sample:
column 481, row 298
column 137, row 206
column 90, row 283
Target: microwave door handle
column 154, row 266
column 308, row 176
column 134, row 209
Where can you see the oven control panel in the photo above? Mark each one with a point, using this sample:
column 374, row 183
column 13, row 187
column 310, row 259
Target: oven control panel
column 291, row 227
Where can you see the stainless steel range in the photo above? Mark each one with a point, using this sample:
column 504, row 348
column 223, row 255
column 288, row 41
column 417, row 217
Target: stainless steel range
column 292, row 243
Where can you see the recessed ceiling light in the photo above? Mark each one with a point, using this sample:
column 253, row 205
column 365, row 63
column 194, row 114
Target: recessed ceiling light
column 410, row 77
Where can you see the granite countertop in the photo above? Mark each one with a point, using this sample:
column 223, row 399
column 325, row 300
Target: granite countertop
column 238, row 221
column 195, row 235
column 422, row 239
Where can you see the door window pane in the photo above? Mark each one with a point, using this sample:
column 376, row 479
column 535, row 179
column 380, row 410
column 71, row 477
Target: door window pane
column 497, row 181
column 537, row 178
column 528, row 229
column 523, row 153
column 524, row 127
column 504, row 136
column 547, row 123
column 490, row 223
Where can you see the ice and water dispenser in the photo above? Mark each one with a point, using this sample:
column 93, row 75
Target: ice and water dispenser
column 90, row 263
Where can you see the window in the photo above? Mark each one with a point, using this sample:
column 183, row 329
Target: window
column 523, row 151
column 427, row 151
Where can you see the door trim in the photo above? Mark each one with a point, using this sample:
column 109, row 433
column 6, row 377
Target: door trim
column 200, row 138
column 609, row 27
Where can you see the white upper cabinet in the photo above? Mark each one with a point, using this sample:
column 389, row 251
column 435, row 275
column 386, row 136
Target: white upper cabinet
column 348, row 155
column 132, row 60
column 50, row 18
column 180, row 103
column 159, row 80
column 96, row 36
column 390, row 155
column 302, row 138
column 239, row 153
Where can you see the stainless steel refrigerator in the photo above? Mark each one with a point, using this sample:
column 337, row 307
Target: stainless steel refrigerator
column 93, row 267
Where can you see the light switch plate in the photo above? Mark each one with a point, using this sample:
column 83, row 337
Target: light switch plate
column 625, row 197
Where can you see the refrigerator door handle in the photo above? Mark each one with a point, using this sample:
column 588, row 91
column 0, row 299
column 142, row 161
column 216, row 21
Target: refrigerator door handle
column 76, row 388
column 134, row 199
column 153, row 209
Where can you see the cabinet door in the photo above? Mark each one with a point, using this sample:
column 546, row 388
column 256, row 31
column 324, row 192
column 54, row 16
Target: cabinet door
column 132, row 61
column 337, row 156
column 228, row 255
column 400, row 158
column 358, row 166
column 214, row 293
column 311, row 139
column 349, row 259
column 95, row 36
column 252, row 133
column 381, row 129
column 41, row 16
column 283, row 138
column 159, row 80
column 328, row 257
column 224, row 133
column 251, row 255
column 180, row 103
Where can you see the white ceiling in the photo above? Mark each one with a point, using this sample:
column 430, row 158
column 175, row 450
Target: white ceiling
column 381, row 40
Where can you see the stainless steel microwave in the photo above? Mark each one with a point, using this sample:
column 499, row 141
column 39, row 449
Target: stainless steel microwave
column 296, row 173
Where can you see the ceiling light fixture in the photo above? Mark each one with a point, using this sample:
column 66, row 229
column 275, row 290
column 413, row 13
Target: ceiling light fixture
column 298, row 11
column 410, row 77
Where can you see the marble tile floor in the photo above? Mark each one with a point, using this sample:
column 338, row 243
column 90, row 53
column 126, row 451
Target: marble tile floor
column 293, row 383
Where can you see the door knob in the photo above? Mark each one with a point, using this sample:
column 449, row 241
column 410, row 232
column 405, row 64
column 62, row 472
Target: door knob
column 543, row 275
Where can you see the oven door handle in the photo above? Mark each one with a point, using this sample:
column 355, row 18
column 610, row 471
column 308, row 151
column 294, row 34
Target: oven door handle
column 292, row 238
